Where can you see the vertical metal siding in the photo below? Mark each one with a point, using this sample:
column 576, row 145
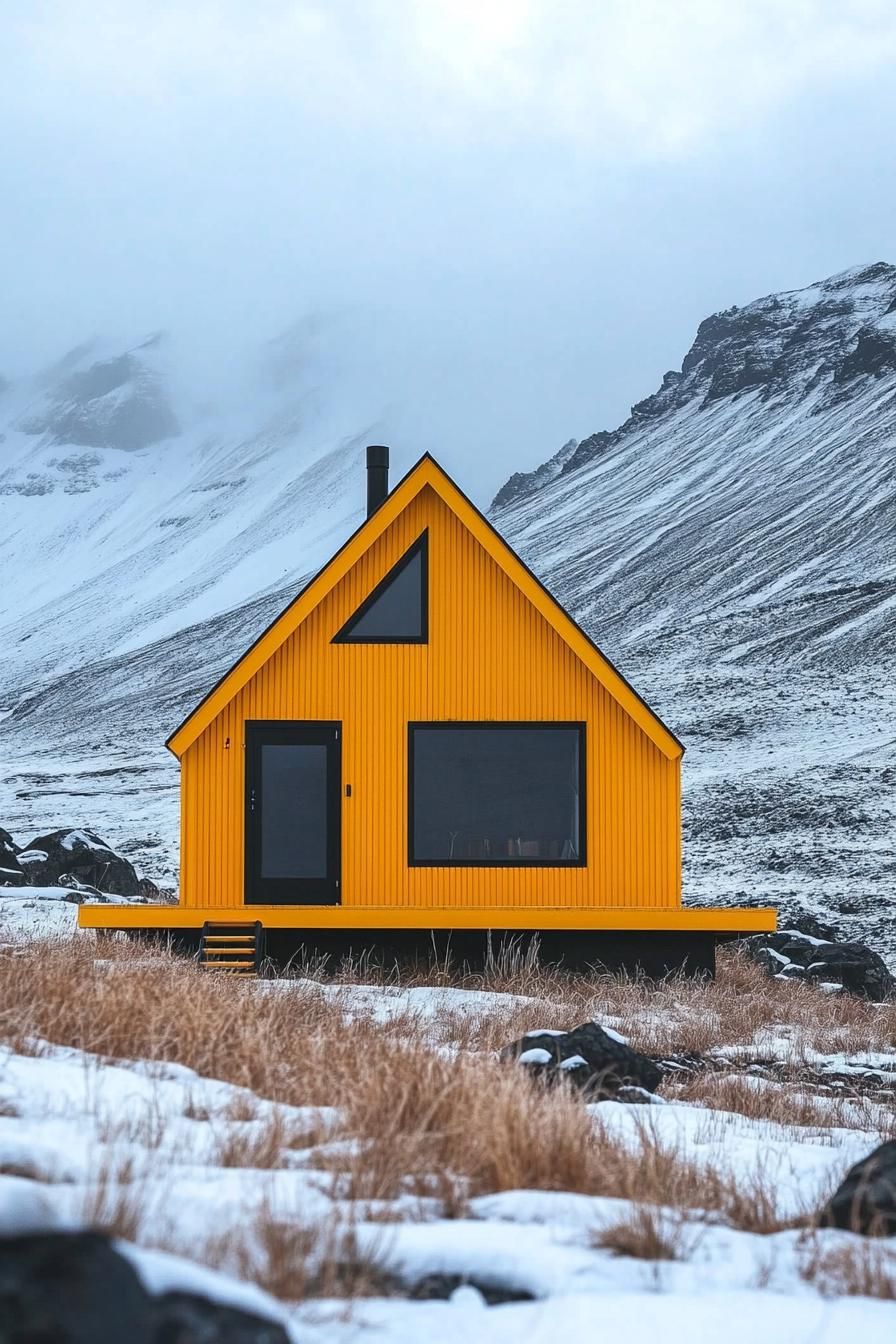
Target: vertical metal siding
column 490, row 656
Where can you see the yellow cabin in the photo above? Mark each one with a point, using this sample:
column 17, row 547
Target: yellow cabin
column 423, row 741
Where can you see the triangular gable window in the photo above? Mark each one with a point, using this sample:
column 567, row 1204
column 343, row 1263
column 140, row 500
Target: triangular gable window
column 396, row 612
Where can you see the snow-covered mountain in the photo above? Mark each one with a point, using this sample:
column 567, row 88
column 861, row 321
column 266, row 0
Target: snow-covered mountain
column 132, row 520
column 126, row 518
column 731, row 546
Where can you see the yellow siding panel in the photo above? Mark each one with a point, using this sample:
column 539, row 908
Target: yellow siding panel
column 491, row 656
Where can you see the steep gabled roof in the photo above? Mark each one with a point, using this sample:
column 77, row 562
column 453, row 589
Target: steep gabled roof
column 426, row 472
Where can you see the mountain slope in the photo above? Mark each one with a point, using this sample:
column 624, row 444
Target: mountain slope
column 123, row 521
column 733, row 544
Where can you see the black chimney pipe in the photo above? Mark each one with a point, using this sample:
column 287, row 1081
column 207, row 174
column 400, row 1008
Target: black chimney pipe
column 377, row 476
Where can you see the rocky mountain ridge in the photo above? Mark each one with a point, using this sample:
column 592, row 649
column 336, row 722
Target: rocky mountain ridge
column 829, row 336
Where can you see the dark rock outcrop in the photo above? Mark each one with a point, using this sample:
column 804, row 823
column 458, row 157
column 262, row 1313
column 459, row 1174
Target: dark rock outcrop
column 803, row 921
column 874, row 355
column 521, row 482
column 11, row 872
column 856, row 967
column 71, row 1288
column 587, row 451
column 828, row 337
column 79, row 854
column 75, row 1288
column 590, row 1059
column 185, row 1318
column 436, row 1287
column 865, row 1200
column 799, row 956
column 112, row 403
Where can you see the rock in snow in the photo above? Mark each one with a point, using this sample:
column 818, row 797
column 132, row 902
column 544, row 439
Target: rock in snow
column 72, row 1288
column 798, row 956
column 11, row 871
column 865, row 1201
column 589, row 1058
column 75, row 1288
column 81, row 857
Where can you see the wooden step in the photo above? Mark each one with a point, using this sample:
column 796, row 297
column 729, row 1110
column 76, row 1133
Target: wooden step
column 230, row 947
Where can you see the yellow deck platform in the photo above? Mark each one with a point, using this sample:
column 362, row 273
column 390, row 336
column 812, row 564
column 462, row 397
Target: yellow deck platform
column 706, row 919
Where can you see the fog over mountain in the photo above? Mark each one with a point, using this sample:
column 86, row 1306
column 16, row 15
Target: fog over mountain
column 496, row 224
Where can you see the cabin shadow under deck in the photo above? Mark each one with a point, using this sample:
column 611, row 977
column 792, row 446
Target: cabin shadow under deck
column 655, row 943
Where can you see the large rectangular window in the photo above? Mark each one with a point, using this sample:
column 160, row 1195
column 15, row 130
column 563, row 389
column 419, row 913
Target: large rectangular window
column 505, row 793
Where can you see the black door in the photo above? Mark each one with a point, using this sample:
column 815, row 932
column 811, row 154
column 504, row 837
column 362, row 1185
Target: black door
column 293, row 792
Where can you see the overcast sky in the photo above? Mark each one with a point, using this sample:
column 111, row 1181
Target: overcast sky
column 508, row 216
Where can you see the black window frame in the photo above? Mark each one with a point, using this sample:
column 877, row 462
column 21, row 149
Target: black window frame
column 446, row 725
column 344, row 633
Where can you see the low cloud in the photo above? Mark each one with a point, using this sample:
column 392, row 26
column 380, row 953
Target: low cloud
column 512, row 213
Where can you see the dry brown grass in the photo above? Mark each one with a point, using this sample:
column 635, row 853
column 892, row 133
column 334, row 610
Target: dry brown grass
column 676, row 1015
column 115, row 1199
column 432, row 1124
column 25, row 1171
column 124, row 1008
column 418, row 1120
column 643, row 1234
column 785, row 1103
column 292, row 1047
column 654, row 1171
column 295, row 1262
column 474, row 1128
column 260, row 1143
column 853, row 1268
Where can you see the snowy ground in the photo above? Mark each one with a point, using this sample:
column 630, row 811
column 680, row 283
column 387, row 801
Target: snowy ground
column 27, row 913
column 78, row 1132
column 167, row 1154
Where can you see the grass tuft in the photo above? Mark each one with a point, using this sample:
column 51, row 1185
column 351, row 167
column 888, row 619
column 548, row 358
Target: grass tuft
column 643, row 1234
column 850, row 1268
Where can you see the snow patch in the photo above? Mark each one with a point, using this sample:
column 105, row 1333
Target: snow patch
column 536, row 1056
